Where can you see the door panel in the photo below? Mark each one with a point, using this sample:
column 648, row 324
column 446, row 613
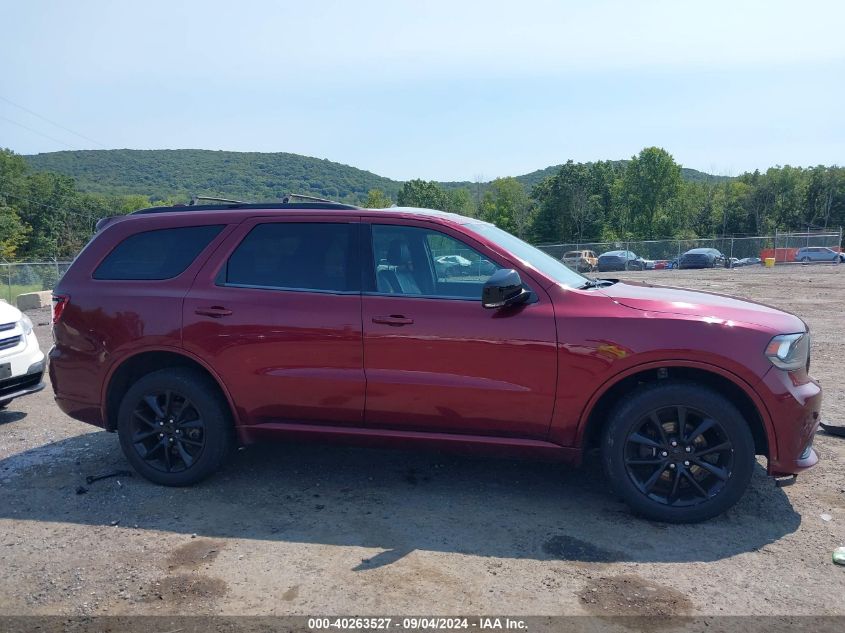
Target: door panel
column 283, row 354
column 447, row 364
column 459, row 368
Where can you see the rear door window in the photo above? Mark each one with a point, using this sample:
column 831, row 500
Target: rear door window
column 309, row 256
column 156, row 255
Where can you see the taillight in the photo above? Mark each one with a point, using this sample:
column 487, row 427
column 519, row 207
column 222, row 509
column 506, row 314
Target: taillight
column 59, row 304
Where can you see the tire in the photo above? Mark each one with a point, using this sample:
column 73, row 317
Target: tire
column 195, row 418
column 673, row 496
column 805, row 260
column 4, row 404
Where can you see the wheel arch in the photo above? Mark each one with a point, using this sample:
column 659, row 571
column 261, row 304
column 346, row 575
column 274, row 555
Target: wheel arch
column 738, row 391
column 128, row 370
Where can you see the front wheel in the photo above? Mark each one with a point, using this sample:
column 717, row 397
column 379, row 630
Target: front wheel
column 174, row 426
column 678, row 452
column 805, row 260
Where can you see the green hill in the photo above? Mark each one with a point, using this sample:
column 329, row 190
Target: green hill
column 242, row 175
column 184, row 172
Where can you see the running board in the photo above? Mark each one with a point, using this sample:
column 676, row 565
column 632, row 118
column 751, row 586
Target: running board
column 393, row 438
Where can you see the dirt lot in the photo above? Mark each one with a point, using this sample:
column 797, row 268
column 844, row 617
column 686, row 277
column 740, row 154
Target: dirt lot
column 333, row 530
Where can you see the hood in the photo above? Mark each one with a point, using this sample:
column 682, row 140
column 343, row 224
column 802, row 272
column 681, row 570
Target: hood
column 706, row 305
column 8, row 313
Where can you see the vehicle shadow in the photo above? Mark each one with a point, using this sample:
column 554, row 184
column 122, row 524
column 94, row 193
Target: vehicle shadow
column 393, row 501
column 7, row 416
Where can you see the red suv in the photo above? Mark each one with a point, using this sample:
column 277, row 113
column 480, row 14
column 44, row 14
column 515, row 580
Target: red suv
column 186, row 329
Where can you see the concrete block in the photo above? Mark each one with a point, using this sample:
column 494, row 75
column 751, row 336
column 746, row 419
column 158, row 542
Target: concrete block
column 33, row 300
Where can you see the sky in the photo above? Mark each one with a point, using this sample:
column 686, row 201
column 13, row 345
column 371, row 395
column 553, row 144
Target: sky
column 444, row 90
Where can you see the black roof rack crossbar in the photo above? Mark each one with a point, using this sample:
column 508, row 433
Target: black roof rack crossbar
column 194, row 200
column 302, row 196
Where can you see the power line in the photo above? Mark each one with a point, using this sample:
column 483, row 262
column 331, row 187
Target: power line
column 58, row 125
column 26, row 127
column 127, row 156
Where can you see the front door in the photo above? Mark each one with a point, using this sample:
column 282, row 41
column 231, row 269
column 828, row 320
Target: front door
column 277, row 313
column 435, row 359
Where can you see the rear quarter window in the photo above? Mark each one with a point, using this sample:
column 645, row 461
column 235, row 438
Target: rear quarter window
column 156, row 255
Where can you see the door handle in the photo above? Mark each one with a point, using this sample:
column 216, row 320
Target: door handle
column 393, row 319
column 213, row 311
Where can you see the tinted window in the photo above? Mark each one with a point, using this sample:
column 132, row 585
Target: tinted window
column 160, row 254
column 416, row 261
column 297, row 256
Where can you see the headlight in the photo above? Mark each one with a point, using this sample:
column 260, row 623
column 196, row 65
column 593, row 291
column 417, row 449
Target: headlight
column 26, row 325
column 789, row 351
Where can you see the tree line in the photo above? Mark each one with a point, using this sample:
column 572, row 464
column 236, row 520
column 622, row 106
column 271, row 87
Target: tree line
column 643, row 198
column 44, row 214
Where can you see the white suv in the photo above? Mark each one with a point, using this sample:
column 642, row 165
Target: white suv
column 21, row 360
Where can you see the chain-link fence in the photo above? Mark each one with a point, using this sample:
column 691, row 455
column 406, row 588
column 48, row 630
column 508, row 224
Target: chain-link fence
column 17, row 278
column 782, row 246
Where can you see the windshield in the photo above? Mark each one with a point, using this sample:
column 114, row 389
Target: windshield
column 530, row 255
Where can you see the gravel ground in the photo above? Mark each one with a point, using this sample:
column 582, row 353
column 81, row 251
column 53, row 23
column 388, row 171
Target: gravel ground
column 310, row 529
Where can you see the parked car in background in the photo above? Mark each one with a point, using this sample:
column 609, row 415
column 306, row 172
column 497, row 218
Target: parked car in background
column 661, row 264
column 581, row 261
column 748, row 261
column 21, row 360
column 458, row 265
column 702, row 258
column 185, row 329
column 810, row 254
column 620, row 260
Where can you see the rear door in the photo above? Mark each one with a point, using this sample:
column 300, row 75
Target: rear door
column 276, row 312
column 436, row 360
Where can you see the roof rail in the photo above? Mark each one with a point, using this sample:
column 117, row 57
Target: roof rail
column 259, row 206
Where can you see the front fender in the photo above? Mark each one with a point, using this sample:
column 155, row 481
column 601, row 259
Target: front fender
column 570, row 431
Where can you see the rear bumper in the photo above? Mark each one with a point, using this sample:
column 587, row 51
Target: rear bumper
column 70, row 384
column 611, row 266
column 796, row 413
column 695, row 263
column 25, row 384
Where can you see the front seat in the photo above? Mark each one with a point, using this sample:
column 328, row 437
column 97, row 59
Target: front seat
column 398, row 278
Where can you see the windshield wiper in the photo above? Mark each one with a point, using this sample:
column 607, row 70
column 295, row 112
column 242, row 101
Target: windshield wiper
column 597, row 283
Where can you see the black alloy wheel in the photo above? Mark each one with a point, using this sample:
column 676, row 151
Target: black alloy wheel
column 677, row 451
column 175, row 426
column 168, row 431
column 678, row 456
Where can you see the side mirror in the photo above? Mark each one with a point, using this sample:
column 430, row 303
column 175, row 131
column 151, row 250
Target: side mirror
column 504, row 288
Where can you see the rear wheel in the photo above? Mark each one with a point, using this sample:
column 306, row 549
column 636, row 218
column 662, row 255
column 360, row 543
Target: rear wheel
column 805, row 260
column 4, row 404
column 678, row 452
column 174, row 426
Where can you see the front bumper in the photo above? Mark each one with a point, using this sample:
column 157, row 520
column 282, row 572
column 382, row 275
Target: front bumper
column 796, row 412
column 17, row 386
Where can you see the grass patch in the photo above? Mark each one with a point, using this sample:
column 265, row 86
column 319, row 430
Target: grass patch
column 10, row 293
